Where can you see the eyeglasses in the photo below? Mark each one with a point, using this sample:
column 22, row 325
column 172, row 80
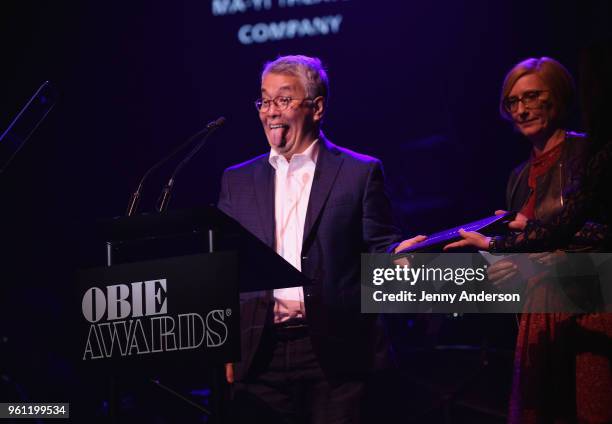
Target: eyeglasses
column 529, row 99
column 281, row 103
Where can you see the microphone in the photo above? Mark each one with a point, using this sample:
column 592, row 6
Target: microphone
column 135, row 197
column 26, row 123
column 164, row 197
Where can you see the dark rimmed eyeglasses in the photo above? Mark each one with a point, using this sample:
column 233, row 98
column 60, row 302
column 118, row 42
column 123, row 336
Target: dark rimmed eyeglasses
column 281, row 103
column 529, row 99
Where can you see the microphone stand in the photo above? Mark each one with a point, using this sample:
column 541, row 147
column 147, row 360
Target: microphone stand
column 164, row 197
column 135, row 197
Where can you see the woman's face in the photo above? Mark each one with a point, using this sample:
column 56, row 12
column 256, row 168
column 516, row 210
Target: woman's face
column 532, row 111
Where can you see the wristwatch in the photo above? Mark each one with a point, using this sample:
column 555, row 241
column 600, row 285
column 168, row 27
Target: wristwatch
column 493, row 244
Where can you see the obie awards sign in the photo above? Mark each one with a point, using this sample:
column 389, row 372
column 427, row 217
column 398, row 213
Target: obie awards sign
column 166, row 311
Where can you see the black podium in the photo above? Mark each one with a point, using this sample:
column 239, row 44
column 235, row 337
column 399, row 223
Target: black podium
column 168, row 297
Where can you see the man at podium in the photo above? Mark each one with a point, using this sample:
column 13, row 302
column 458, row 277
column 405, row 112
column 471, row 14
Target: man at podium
column 306, row 351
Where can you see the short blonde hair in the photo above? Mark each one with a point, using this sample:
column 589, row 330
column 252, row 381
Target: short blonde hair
column 555, row 75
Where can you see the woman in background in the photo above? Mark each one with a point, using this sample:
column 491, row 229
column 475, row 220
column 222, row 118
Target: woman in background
column 562, row 360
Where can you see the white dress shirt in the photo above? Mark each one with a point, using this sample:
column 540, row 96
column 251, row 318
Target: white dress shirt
column 292, row 184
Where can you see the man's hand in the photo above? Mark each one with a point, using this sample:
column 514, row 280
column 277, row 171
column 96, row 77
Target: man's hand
column 409, row 243
column 229, row 373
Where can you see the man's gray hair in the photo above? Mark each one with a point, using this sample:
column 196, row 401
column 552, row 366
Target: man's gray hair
column 308, row 69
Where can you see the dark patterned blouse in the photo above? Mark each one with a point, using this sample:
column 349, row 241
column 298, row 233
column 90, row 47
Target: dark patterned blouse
column 590, row 200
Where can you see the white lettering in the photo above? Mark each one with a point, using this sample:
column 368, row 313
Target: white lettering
column 89, row 349
column 155, row 294
column 137, row 299
column 118, row 306
column 231, row 7
column 215, row 338
column 168, row 338
column 112, row 336
column 156, row 334
column 187, row 339
column 93, row 304
column 138, row 338
column 263, row 32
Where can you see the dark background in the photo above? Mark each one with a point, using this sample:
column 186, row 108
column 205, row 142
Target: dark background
column 413, row 83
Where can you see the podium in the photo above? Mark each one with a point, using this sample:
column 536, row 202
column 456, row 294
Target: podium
column 182, row 232
column 168, row 297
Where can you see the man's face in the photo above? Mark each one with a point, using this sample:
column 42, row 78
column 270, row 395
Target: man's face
column 290, row 130
column 536, row 120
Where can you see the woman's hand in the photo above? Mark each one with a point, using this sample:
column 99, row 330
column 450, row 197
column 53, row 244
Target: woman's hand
column 519, row 223
column 548, row 258
column 501, row 272
column 470, row 238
